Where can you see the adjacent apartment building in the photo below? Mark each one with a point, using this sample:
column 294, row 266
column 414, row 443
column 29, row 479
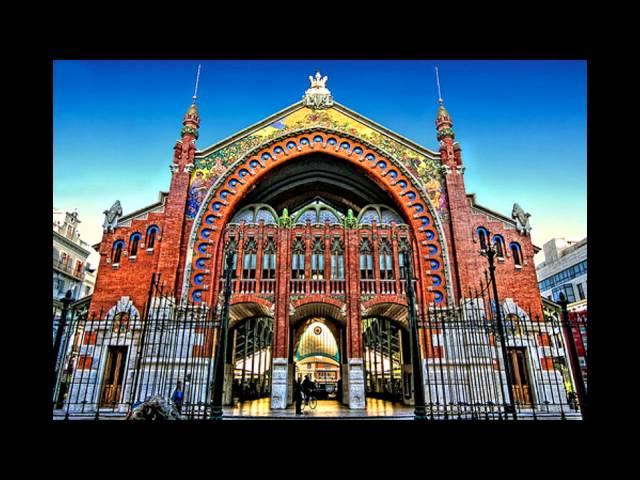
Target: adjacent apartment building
column 71, row 270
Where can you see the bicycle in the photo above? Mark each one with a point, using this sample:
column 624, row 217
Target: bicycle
column 312, row 401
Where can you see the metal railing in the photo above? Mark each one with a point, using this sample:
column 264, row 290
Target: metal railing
column 68, row 268
column 482, row 359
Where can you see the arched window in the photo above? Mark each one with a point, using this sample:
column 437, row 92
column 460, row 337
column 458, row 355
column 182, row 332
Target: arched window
column 297, row 259
column 337, row 260
column 152, row 231
column 366, row 260
column 134, row 241
column 517, row 253
column 317, row 259
column 116, row 252
column 483, row 236
column 498, row 241
column 269, row 260
column 249, row 264
column 386, row 265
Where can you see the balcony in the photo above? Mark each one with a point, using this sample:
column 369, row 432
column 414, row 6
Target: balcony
column 67, row 269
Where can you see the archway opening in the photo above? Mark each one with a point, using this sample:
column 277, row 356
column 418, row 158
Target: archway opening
column 249, row 354
column 387, row 360
column 318, row 354
column 339, row 184
column 317, row 358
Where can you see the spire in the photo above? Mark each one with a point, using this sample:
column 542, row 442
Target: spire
column 191, row 120
column 443, row 119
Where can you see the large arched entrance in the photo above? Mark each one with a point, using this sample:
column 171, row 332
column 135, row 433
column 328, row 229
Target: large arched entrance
column 318, row 356
column 249, row 351
column 387, row 360
column 327, row 229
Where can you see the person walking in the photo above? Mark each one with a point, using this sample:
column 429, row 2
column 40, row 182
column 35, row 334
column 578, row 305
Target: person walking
column 178, row 396
column 307, row 387
column 297, row 395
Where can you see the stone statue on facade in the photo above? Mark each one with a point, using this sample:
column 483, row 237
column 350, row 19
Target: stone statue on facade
column 521, row 218
column 319, row 83
column 318, row 95
column 111, row 217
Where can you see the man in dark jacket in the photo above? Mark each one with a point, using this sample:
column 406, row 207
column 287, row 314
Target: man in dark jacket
column 307, row 387
column 297, row 395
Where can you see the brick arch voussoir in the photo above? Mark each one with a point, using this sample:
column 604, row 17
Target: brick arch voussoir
column 249, row 298
column 395, row 299
column 318, row 299
column 229, row 190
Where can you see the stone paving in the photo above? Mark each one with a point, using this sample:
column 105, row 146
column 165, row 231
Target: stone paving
column 326, row 409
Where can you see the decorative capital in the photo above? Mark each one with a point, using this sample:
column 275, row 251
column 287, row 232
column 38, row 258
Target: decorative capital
column 174, row 168
column 460, row 169
column 445, row 132
column 189, row 167
column 285, row 221
column 189, row 130
column 350, row 221
column 446, row 169
column 318, row 95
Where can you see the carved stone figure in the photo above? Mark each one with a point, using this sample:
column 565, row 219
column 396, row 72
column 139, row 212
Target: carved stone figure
column 111, row 217
column 521, row 218
column 318, row 82
column 318, row 95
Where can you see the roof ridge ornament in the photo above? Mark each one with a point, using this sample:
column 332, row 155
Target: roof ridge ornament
column 318, row 96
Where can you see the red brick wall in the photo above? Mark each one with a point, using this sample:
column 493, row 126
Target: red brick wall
column 520, row 284
column 132, row 277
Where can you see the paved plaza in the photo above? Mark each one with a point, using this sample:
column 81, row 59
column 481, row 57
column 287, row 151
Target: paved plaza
column 326, row 409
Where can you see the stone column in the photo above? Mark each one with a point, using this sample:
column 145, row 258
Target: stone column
column 279, row 382
column 356, row 384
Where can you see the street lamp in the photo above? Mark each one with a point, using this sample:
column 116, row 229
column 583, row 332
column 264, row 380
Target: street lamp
column 218, row 376
column 490, row 253
column 418, row 378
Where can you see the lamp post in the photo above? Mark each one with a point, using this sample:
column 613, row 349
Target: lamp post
column 578, row 380
column 218, row 376
column 491, row 253
column 418, row 378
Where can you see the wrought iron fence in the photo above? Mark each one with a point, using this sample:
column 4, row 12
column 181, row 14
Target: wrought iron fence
column 478, row 364
column 111, row 362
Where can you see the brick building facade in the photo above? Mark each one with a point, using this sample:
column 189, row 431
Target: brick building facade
column 317, row 202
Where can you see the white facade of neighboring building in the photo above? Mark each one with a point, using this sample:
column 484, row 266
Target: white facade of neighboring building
column 564, row 270
column 71, row 268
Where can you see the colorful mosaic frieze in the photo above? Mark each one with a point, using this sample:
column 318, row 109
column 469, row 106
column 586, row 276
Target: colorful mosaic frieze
column 209, row 168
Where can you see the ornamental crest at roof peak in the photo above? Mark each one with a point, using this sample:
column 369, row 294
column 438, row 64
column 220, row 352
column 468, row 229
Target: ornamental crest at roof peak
column 318, row 95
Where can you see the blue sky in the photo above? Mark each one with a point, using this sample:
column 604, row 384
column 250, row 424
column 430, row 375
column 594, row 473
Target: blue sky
column 521, row 125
